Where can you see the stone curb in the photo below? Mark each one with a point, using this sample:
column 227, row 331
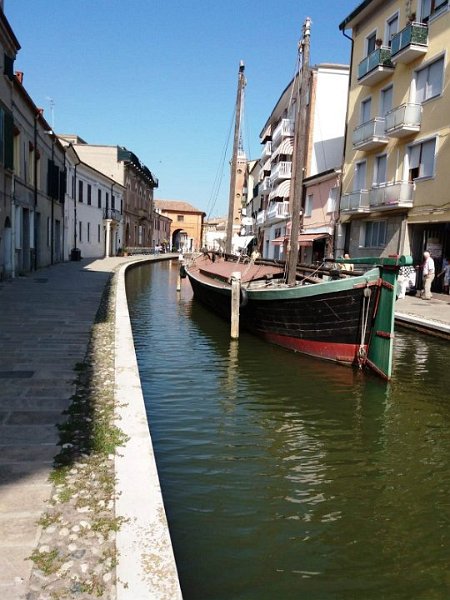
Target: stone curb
column 146, row 568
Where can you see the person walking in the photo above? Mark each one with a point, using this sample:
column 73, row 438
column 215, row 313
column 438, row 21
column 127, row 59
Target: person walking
column 428, row 275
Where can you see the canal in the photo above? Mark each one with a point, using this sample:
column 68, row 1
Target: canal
column 285, row 477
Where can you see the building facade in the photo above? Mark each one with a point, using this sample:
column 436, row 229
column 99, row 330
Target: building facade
column 124, row 167
column 94, row 227
column 321, row 171
column 186, row 224
column 395, row 194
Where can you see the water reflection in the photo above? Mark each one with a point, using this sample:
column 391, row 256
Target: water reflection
column 288, row 477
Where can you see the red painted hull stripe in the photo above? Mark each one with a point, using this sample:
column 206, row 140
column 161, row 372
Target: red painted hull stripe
column 328, row 350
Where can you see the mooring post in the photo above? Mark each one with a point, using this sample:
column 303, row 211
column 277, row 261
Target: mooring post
column 180, row 269
column 235, row 302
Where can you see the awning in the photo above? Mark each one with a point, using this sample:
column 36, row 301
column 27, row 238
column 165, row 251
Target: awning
column 267, row 133
column 266, row 166
column 304, row 239
column 286, row 147
column 282, row 190
column 242, row 241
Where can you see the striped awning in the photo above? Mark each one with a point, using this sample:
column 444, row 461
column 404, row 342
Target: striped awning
column 267, row 133
column 266, row 166
column 282, row 190
column 304, row 239
column 286, row 147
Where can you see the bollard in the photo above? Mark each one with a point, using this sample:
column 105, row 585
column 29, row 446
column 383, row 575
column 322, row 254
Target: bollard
column 180, row 270
column 235, row 301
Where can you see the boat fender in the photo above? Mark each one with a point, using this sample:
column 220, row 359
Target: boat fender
column 182, row 272
column 243, row 297
column 367, row 292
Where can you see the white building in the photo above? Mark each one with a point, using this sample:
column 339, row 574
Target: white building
column 93, row 210
column 325, row 138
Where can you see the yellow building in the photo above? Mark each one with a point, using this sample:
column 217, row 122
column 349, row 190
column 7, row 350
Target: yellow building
column 395, row 195
column 186, row 225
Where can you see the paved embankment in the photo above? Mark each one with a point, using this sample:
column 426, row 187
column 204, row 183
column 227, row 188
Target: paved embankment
column 428, row 316
column 46, row 321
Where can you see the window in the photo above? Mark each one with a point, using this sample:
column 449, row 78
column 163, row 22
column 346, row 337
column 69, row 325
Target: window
column 308, row 205
column 370, row 43
column 113, row 202
column 30, row 163
column 180, row 218
column 366, row 108
column 16, row 149
column 80, row 193
column 386, row 100
column 332, row 200
column 98, row 233
column 391, row 29
column 429, row 81
column 375, row 234
column 89, row 194
column 48, row 231
column 359, row 181
column 107, row 200
column 88, row 232
column 99, row 199
column 429, row 7
column 80, row 231
column 421, row 159
column 380, row 169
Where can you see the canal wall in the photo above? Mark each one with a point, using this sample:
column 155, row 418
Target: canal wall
column 146, row 567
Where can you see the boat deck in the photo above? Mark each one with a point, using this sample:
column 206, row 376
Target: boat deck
column 222, row 270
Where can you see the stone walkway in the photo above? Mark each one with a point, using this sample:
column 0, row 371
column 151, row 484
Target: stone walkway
column 45, row 325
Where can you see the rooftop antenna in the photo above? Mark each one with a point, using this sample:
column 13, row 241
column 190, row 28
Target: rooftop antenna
column 52, row 112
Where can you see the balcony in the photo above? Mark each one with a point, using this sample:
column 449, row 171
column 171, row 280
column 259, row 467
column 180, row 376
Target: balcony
column 391, row 195
column 285, row 128
column 403, row 120
column 375, row 67
column 410, row 43
column 281, row 170
column 370, row 135
column 356, row 202
column 278, row 210
column 266, row 151
column 112, row 213
column 261, row 217
column 386, row 196
column 265, row 185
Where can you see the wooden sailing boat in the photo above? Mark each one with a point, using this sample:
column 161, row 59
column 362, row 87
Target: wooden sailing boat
column 348, row 318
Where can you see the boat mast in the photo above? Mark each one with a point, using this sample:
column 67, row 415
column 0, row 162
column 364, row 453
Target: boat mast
column 234, row 201
column 299, row 157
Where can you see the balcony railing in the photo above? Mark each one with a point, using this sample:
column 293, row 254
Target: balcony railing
column 380, row 197
column 266, row 151
column 278, row 210
column 261, row 217
column 265, row 185
column 281, row 170
column 355, row 201
column 285, row 128
column 403, row 120
column 375, row 67
column 392, row 195
column 409, row 43
column 370, row 135
column 112, row 213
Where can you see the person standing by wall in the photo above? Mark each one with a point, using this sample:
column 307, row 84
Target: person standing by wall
column 428, row 275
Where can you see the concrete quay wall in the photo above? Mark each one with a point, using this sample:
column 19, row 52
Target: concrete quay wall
column 146, row 567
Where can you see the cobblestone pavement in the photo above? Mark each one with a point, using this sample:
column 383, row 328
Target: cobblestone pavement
column 45, row 326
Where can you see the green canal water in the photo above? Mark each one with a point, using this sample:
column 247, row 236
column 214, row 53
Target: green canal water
column 285, row 477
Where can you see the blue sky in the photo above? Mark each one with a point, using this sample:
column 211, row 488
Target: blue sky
column 160, row 76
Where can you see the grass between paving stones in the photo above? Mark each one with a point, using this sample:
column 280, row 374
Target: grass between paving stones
column 77, row 553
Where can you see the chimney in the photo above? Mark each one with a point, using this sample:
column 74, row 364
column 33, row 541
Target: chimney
column 19, row 76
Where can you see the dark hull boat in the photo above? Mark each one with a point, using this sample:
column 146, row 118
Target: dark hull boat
column 349, row 319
